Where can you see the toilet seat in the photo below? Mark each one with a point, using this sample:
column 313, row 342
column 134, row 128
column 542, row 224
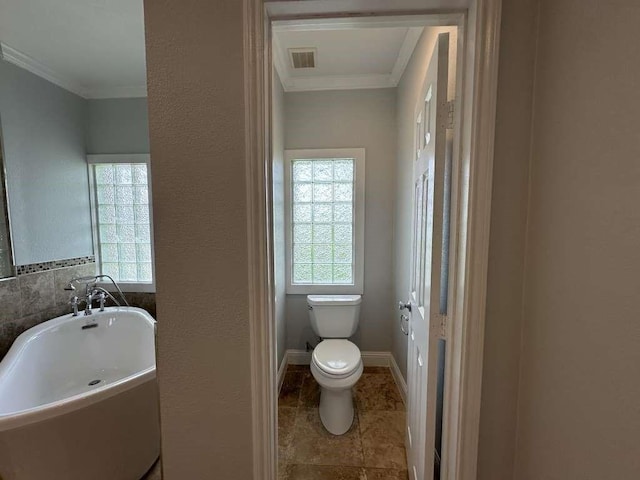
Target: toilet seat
column 337, row 358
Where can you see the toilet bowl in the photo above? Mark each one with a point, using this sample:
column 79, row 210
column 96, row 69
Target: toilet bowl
column 336, row 363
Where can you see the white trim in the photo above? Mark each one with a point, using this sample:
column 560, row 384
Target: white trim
column 280, row 64
column 409, row 43
column 358, row 154
column 119, row 158
column 282, row 371
column 376, row 359
column 129, row 287
column 349, row 23
column 481, row 28
column 257, row 103
column 337, row 82
column 32, row 65
column 461, row 427
column 298, row 357
column 398, row 378
column 23, row 60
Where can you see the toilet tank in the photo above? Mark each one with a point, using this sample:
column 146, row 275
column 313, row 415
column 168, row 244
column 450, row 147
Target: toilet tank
column 334, row 316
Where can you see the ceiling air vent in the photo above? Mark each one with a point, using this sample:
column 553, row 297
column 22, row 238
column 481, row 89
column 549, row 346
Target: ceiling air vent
column 303, row 57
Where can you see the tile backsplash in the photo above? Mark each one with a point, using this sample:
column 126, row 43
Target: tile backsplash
column 32, row 298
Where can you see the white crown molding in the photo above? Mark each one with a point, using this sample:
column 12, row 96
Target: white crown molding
column 322, row 24
column 292, row 83
column 116, row 92
column 22, row 60
column 280, row 64
column 409, row 43
column 337, row 82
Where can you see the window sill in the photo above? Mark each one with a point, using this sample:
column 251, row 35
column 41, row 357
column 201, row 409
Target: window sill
column 129, row 287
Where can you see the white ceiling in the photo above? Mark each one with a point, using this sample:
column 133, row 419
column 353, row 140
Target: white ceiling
column 94, row 48
column 347, row 58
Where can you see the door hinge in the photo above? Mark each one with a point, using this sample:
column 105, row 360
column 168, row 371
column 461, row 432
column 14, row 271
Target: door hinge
column 443, row 324
column 451, row 108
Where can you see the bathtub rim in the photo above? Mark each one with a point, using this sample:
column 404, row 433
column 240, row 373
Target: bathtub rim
column 13, row 420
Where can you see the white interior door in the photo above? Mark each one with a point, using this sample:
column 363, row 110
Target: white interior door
column 424, row 306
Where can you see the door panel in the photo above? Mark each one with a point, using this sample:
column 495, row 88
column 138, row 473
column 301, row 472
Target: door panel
column 427, row 263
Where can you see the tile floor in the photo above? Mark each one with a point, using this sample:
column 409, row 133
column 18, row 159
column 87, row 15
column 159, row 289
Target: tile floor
column 373, row 449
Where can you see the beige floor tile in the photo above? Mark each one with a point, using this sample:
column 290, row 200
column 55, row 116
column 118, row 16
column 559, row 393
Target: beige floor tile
column 283, row 470
column 313, row 445
column 383, row 439
column 375, row 441
column 384, row 456
column 290, row 391
column 324, row 472
column 386, row 474
column 377, row 392
column 286, row 430
column 310, row 392
column 383, row 426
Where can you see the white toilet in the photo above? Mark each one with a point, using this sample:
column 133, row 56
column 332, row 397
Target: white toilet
column 336, row 363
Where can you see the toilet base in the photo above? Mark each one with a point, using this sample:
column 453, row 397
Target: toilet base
column 336, row 410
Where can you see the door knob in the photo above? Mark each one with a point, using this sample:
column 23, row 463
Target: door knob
column 404, row 306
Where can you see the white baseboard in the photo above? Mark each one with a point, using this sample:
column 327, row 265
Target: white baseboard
column 281, row 371
column 376, row 359
column 298, row 357
column 399, row 379
column 369, row 359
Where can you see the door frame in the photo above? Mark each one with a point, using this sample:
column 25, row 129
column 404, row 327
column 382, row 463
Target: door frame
column 475, row 121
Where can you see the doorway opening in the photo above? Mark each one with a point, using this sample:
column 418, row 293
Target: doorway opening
column 382, row 228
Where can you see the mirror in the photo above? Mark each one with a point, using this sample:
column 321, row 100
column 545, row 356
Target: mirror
column 43, row 131
column 65, row 93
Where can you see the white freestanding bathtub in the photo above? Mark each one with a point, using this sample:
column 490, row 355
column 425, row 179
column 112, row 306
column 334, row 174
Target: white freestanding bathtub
column 81, row 404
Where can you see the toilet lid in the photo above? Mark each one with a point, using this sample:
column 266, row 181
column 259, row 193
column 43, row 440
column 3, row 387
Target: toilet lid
column 336, row 356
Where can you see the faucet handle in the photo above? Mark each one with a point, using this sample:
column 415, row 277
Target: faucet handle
column 74, row 301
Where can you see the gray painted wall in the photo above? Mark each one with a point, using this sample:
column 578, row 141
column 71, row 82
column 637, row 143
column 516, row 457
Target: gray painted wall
column 43, row 130
column 118, row 125
column 579, row 390
column 278, row 215
column 354, row 118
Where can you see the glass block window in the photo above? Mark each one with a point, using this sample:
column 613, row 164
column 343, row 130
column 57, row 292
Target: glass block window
column 123, row 221
column 322, row 213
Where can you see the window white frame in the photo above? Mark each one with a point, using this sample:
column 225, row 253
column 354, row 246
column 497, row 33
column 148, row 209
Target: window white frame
column 358, row 154
column 121, row 158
